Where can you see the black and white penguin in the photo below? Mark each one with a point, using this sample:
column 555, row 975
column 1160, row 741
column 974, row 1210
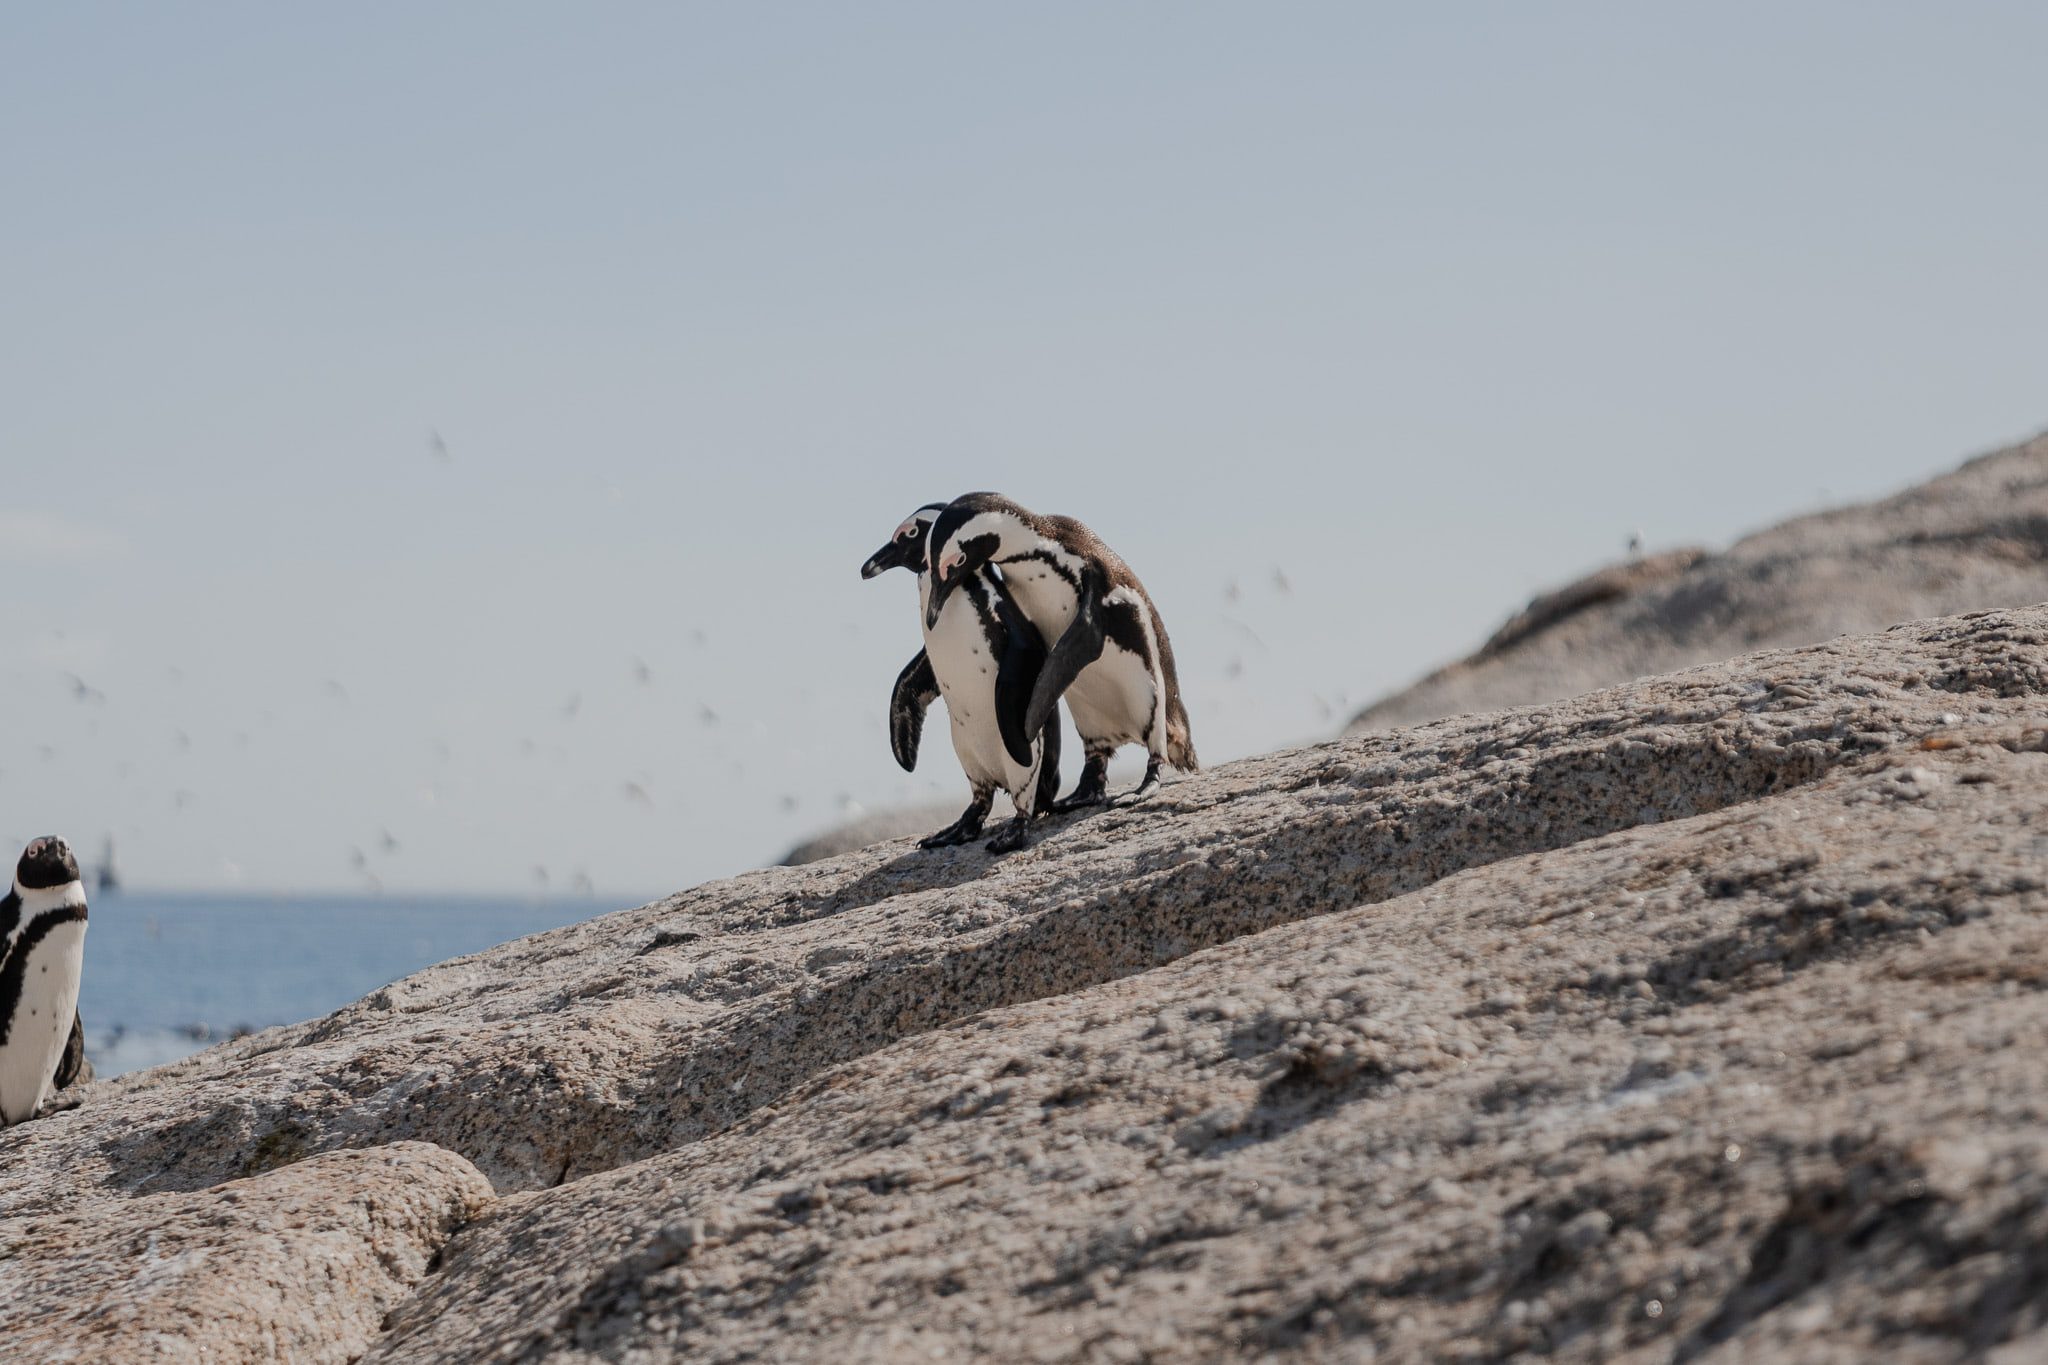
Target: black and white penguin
column 42, row 945
column 984, row 657
column 1109, row 654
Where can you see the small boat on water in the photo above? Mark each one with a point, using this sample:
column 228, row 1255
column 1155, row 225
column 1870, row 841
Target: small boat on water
column 104, row 877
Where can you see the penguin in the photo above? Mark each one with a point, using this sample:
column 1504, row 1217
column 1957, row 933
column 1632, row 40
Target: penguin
column 984, row 657
column 42, row 944
column 1109, row 654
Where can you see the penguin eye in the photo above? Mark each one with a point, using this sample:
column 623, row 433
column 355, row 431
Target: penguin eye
column 907, row 531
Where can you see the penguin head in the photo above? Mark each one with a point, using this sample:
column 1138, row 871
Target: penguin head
column 905, row 549
column 45, row 863
column 974, row 530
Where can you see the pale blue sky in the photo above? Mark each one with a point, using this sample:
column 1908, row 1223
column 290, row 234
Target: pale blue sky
column 1429, row 306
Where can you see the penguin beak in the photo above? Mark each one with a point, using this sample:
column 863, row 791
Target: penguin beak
column 935, row 599
column 881, row 561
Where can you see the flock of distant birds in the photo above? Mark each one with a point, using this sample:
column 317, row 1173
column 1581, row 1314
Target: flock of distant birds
column 1035, row 548
column 1019, row 611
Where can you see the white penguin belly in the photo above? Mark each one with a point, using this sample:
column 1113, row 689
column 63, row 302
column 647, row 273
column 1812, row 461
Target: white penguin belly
column 42, row 1020
column 961, row 660
column 1111, row 699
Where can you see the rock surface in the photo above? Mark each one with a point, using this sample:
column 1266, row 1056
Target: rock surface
column 300, row 1264
column 897, row 823
column 1697, row 1018
column 1605, row 1104
column 1972, row 539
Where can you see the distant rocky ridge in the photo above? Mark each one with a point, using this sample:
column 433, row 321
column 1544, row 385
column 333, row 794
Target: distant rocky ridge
column 1691, row 1019
column 1971, row 539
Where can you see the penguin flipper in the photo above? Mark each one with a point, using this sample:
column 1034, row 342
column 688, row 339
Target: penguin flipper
column 916, row 689
column 1048, row 767
column 1079, row 647
column 1017, row 679
column 72, row 1067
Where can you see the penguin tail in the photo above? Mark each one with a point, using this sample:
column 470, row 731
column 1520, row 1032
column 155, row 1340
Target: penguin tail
column 1180, row 739
column 1180, row 747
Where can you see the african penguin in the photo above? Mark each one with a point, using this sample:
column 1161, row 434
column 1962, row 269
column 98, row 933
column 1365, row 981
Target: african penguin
column 42, row 943
column 984, row 657
column 1109, row 653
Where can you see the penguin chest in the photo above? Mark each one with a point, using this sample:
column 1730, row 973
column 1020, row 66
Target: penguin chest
column 1045, row 597
column 44, row 986
column 965, row 663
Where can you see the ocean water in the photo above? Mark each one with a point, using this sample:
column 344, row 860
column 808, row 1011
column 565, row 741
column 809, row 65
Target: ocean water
column 168, row 973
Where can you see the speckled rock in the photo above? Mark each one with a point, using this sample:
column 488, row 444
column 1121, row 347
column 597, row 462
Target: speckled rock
column 636, row 1032
column 1756, row 1085
column 1973, row 539
column 301, row 1263
column 1556, row 963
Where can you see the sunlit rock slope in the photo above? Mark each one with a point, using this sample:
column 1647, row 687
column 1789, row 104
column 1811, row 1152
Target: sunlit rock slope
column 1972, row 539
column 1698, row 1018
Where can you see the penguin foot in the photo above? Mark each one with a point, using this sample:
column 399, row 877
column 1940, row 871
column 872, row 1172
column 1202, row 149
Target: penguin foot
column 967, row 827
column 1149, row 785
column 60, row 1102
column 1091, row 790
column 951, row 836
column 1080, row 799
column 1010, row 837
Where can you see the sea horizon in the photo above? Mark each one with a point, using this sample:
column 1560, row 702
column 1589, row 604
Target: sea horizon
column 170, row 972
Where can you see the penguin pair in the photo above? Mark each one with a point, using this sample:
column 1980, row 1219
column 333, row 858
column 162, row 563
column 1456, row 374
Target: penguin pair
column 983, row 657
column 42, row 948
column 1088, row 632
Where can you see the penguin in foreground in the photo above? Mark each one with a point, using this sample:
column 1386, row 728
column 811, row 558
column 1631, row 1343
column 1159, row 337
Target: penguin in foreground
column 984, row 657
column 42, row 945
column 1109, row 653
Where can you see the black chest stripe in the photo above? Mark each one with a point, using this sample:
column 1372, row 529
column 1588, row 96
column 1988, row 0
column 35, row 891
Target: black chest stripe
column 14, row 973
column 1067, row 574
column 10, row 912
column 981, row 591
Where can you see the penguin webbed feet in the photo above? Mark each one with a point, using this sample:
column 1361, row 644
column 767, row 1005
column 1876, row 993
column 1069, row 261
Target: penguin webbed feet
column 1011, row 836
column 961, row 831
column 1091, row 790
column 951, row 836
column 61, row 1102
column 1151, row 782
